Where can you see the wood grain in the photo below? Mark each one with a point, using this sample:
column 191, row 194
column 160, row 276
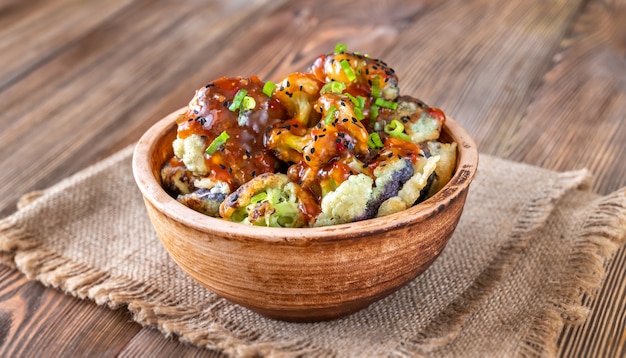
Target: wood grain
column 541, row 82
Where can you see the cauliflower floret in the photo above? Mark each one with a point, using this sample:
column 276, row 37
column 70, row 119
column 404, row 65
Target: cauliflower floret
column 445, row 166
column 268, row 200
column 389, row 180
column 206, row 199
column 177, row 179
column 346, row 203
column 419, row 125
column 411, row 190
column 191, row 151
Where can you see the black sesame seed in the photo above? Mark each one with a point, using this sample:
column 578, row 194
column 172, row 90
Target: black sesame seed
column 341, row 134
column 300, row 88
column 345, row 119
column 209, row 85
column 389, row 155
column 288, row 84
column 312, row 150
column 338, row 140
column 322, row 135
column 308, row 159
column 230, row 170
column 399, row 156
column 253, row 173
column 369, row 82
column 203, row 136
column 279, row 132
column 222, row 166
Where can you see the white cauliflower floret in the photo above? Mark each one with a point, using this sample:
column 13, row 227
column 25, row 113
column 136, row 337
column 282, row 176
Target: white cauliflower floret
column 346, row 203
column 411, row 190
column 206, row 199
column 445, row 166
column 191, row 151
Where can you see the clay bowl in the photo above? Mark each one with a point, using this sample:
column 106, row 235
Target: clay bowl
column 307, row 274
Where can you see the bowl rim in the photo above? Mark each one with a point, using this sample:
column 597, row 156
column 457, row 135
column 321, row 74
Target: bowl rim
column 155, row 194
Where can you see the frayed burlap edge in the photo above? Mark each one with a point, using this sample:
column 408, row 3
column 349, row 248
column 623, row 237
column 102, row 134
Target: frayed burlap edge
column 21, row 250
column 148, row 306
column 449, row 322
column 601, row 234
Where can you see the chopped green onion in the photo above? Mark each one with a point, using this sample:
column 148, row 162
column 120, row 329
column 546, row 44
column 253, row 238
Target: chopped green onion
column 358, row 113
column 339, row 48
column 374, row 111
column 330, row 115
column 387, row 104
column 361, row 101
column 248, row 103
column 268, row 88
column 334, row 87
column 345, row 65
column 373, row 141
column 258, row 197
column 396, row 129
column 217, row 142
column 237, row 100
column 376, row 87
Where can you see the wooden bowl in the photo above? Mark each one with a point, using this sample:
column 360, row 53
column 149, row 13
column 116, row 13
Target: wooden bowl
column 306, row 274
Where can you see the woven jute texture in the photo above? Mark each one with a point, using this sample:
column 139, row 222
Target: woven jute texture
column 530, row 244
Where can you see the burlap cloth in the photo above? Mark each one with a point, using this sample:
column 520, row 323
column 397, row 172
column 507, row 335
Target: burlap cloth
column 530, row 244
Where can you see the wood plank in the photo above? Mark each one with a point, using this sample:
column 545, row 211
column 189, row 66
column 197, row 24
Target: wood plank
column 45, row 29
column 577, row 117
column 491, row 61
column 92, row 103
column 34, row 321
column 151, row 343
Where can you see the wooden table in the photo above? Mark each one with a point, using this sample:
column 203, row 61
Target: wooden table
column 536, row 81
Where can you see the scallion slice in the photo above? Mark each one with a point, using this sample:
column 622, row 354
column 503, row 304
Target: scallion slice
column 330, row 115
column 396, row 129
column 339, row 48
column 347, row 69
column 333, row 87
column 268, row 88
column 373, row 111
column 376, row 87
column 237, row 100
column 387, row 104
column 217, row 142
column 373, row 141
column 248, row 103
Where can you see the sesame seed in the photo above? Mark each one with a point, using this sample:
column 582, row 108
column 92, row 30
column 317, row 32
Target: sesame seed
column 308, row 159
